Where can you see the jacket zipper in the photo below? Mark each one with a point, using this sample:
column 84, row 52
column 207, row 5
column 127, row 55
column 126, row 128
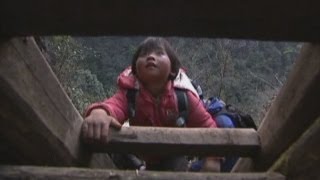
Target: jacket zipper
column 157, row 111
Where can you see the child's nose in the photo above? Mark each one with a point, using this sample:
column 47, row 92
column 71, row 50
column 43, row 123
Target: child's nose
column 151, row 56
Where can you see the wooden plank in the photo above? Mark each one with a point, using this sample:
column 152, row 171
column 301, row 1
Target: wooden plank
column 32, row 172
column 38, row 123
column 188, row 141
column 266, row 20
column 302, row 160
column 293, row 111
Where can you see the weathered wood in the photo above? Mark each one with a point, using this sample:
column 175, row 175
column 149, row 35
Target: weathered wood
column 268, row 20
column 293, row 111
column 38, row 123
column 302, row 160
column 30, row 172
column 188, row 141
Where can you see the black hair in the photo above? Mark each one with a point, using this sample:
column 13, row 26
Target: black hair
column 154, row 43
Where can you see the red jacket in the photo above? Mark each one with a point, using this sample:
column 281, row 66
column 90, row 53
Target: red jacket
column 161, row 112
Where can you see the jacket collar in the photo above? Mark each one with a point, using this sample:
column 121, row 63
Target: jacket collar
column 127, row 80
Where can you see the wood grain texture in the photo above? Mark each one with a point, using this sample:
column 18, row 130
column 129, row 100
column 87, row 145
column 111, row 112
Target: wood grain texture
column 302, row 159
column 187, row 141
column 293, row 111
column 38, row 122
column 292, row 20
column 32, row 172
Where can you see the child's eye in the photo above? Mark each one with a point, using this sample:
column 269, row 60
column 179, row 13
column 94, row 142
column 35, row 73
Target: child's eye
column 160, row 52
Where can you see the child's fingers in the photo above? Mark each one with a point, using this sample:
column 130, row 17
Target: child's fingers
column 96, row 131
column 90, row 131
column 115, row 123
column 105, row 128
column 104, row 132
column 84, row 130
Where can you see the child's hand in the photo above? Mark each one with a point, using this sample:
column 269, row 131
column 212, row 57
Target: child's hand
column 95, row 127
column 211, row 165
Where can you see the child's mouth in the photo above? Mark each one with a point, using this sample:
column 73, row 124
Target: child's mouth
column 151, row 64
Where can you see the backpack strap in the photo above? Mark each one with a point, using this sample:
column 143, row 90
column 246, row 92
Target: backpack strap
column 198, row 89
column 183, row 105
column 131, row 98
column 182, row 101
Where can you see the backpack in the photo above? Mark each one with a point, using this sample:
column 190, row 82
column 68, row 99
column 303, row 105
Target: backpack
column 131, row 161
column 182, row 105
column 215, row 106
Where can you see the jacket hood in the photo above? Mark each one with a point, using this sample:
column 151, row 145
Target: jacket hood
column 127, row 80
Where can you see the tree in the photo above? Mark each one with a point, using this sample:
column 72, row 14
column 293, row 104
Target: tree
column 244, row 73
column 67, row 59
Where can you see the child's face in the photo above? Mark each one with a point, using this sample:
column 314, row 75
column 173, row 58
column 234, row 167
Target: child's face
column 153, row 66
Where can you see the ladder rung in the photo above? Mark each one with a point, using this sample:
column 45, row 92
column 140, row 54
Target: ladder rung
column 187, row 141
column 34, row 172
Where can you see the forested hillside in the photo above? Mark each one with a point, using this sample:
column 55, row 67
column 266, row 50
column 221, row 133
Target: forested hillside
column 245, row 73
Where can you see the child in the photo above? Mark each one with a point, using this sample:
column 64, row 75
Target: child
column 154, row 72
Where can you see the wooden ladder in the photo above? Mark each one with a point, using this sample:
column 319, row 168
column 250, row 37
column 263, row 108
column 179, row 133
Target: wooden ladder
column 40, row 127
